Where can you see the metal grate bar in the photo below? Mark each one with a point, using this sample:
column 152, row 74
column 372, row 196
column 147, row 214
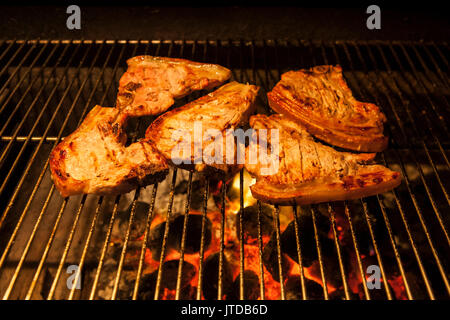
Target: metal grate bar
column 332, row 221
column 420, row 81
column 3, row 54
column 266, row 69
column 47, row 248
column 276, row 222
column 169, row 212
column 241, row 194
column 23, row 138
column 50, row 241
column 443, row 80
column 277, row 60
column 86, row 246
column 395, row 249
column 187, row 208
column 376, row 249
column 419, row 211
column 222, row 208
column 379, row 202
column 146, row 233
column 332, row 214
column 108, row 236
column 358, row 254
column 400, row 95
column 299, row 255
column 205, row 204
column 260, row 252
column 51, row 237
column 4, row 215
column 33, row 157
column 202, row 241
column 367, row 215
column 125, row 244
column 222, row 242
column 441, row 55
column 183, row 236
column 412, row 243
column 66, row 248
column 265, row 84
column 429, row 156
column 319, row 253
column 424, row 226
column 75, row 223
column 436, row 140
column 17, row 86
column 338, row 250
column 295, row 208
column 13, row 74
column 241, row 235
column 27, row 246
column 166, row 234
column 41, row 113
column 144, row 242
column 24, row 212
column 113, row 215
column 133, row 209
column 363, row 202
column 101, row 261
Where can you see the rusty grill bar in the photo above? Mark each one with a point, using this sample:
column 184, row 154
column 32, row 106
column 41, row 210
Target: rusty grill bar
column 47, row 87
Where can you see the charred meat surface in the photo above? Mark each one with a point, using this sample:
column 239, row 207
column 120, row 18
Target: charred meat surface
column 310, row 172
column 320, row 99
column 150, row 84
column 94, row 159
column 188, row 136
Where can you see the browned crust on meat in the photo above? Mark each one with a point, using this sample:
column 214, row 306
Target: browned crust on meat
column 151, row 84
column 309, row 172
column 109, row 123
column 366, row 184
column 362, row 131
column 67, row 186
column 144, row 175
column 243, row 106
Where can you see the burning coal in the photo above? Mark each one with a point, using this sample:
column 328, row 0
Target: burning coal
column 263, row 253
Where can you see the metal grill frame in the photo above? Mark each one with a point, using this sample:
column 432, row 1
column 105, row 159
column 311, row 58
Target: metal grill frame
column 432, row 67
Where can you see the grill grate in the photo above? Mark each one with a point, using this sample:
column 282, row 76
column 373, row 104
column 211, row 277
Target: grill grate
column 46, row 88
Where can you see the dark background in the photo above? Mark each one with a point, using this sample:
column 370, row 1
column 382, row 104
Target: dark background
column 427, row 21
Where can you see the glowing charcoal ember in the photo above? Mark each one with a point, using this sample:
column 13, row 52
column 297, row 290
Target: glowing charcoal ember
column 270, row 259
column 293, row 289
column 251, row 286
column 250, row 222
column 211, row 277
column 193, row 235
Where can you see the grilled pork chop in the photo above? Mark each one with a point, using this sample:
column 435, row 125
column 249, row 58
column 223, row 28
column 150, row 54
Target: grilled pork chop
column 94, row 159
column 181, row 135
column 310, row 172
column 151, row 84
column 320, row 99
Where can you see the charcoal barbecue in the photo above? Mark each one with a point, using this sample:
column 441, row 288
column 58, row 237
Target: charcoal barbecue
column 191, row 237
